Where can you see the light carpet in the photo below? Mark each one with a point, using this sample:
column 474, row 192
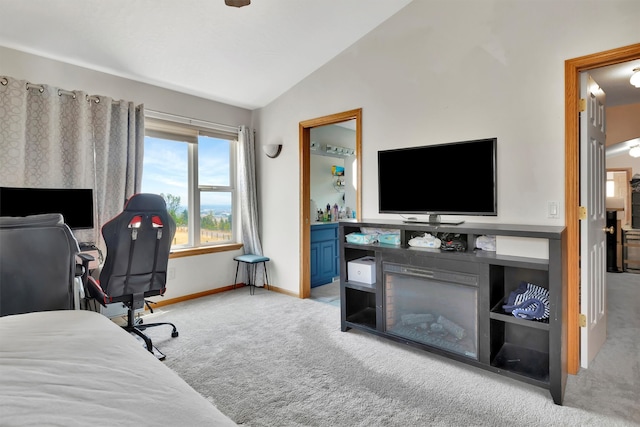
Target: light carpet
column 273, row 360
column 329, row 293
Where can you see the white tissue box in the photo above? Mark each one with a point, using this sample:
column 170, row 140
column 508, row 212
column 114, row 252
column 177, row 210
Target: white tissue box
column 362, row 270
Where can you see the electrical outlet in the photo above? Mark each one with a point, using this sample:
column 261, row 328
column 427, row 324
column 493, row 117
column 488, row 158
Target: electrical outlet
column 553, row 209
column 171, row 273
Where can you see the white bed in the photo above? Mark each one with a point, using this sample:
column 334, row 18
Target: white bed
column 78, row 368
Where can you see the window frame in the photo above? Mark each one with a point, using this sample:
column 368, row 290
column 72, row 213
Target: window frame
column 185, row 130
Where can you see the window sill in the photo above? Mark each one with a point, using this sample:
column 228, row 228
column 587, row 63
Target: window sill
column 179, row 253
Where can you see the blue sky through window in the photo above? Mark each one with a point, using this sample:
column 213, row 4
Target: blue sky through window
column 213, row 161
column 165, row 169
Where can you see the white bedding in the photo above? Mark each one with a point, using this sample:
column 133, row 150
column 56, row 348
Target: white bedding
column 78, row 368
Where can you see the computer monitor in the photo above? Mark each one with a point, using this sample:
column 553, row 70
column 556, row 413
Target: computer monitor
column 75, row 204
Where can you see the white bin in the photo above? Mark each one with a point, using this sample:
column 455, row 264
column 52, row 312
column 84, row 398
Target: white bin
column 362, row 270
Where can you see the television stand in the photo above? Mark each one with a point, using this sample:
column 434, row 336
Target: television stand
column 433, row 220
column 450, row 303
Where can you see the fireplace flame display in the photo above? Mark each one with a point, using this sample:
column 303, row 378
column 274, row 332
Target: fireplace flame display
column 439, row 313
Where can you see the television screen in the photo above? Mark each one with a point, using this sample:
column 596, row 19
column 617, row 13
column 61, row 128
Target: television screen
column 458, row 178
column 75, row 205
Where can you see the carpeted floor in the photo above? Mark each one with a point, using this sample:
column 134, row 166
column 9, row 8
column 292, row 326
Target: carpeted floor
column 329, row 293
column 613, row 379
column 274, row 360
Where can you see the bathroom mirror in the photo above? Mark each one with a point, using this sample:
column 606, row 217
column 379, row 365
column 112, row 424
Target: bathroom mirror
column 333, row 167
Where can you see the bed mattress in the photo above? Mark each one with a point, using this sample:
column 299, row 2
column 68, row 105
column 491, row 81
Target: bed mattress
column 78, row 368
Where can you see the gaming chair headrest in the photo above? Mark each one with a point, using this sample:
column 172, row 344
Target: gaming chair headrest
column 143, row 202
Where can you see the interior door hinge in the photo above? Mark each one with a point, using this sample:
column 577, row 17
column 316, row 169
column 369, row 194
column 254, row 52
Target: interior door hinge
column 582, row 213
column 583, row 321
column 582, row 105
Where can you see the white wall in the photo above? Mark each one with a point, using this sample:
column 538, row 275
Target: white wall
column 192, row 274
column 442, row 71
column 624, row 160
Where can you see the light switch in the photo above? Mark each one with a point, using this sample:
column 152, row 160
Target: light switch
column 552, row 209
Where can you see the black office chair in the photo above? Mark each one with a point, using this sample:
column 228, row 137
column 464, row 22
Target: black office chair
column 38, row 265
column 138, row 241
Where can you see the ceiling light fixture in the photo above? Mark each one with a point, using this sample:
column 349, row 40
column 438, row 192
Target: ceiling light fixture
column 635, row 77
column 634, row 151
column 237, row 3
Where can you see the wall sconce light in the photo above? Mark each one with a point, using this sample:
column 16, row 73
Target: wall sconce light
column 237, row 3
column 635, row 77
column 272, row 150
column 634, row 151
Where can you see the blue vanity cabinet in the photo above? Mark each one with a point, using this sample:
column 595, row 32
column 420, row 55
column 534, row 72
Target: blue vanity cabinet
column 324, row 253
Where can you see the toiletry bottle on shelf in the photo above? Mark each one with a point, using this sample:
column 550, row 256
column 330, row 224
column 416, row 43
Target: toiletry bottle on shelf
column 334, row 215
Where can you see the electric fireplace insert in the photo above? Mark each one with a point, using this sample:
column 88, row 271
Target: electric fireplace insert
column 433, row 307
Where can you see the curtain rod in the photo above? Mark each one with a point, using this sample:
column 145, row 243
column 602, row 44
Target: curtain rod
column 95, row 98
column 189, row 121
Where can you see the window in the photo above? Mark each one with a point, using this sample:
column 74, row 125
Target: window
column 616, row 185
column 193, row 168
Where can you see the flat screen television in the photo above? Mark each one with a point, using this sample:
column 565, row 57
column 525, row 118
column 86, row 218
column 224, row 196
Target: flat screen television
column 75, row 205
column 457, row 178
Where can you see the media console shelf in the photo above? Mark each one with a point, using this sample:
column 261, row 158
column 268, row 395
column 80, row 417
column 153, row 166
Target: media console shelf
column 450, row 303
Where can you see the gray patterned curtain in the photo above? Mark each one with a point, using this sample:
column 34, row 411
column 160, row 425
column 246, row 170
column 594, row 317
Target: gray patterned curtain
column 249, row 198
column 53, row 138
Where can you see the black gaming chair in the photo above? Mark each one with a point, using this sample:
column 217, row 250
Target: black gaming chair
column 138, row 241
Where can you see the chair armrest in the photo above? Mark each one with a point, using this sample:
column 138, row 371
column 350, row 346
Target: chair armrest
column 82, row 269
column 92, row 288
column 85, row 257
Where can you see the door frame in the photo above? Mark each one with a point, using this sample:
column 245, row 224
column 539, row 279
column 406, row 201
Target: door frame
column 305, row 186
column 572, row 69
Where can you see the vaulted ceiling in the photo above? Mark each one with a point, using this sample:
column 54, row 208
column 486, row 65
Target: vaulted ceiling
column 245, row 56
